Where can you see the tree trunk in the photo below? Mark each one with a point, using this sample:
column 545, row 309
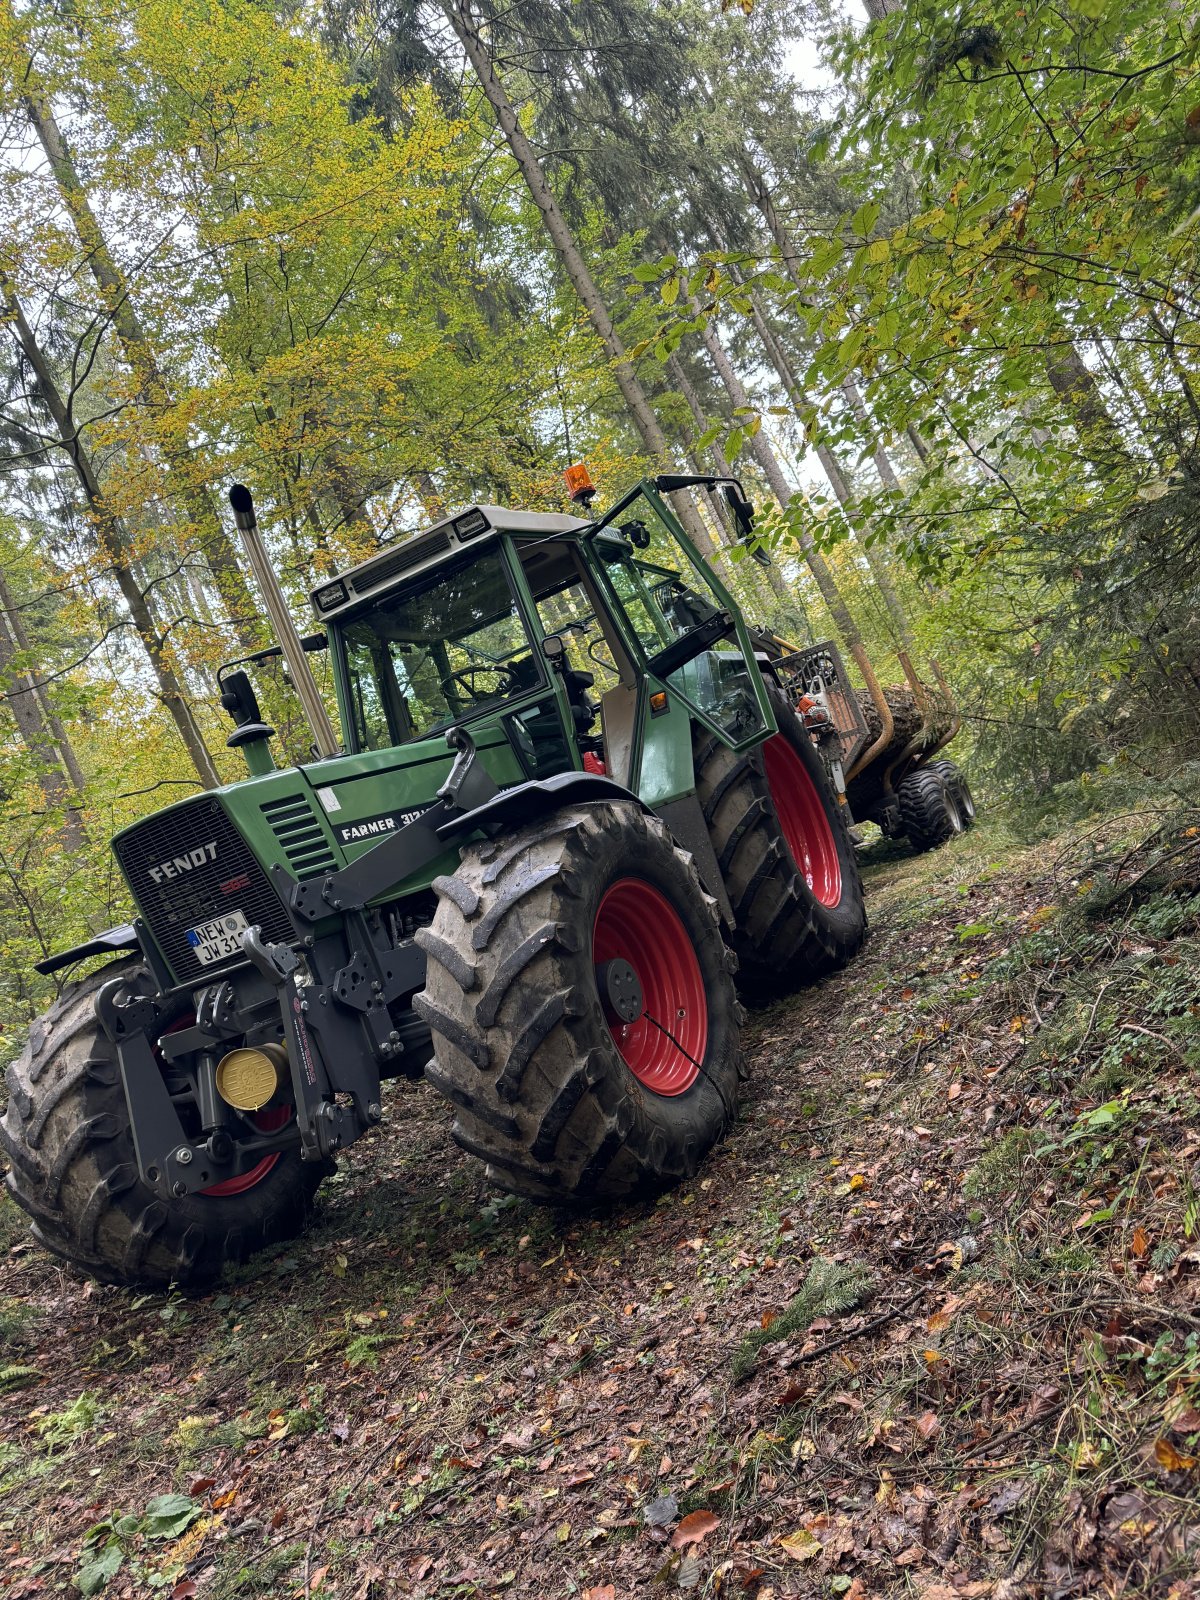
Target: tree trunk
column 459, row 16
column 53, row 721
column 1075, row 385
column 883, row 462
column 841, row 488
column 111, row 538
column 780, row 588
column 22, row 697
column 139, row 352
column 818, row 566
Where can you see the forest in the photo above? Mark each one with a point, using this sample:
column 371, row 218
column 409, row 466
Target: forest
column 924, row 278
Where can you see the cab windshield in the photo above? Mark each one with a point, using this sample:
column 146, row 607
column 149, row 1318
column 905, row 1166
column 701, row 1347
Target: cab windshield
column 437, row 652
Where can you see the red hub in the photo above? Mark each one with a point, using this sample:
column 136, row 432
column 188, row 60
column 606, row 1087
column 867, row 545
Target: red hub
column 802, row 817
column 636, row 924
column 268, row 1120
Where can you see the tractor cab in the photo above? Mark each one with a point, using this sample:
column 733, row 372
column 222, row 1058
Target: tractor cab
column 565, row 635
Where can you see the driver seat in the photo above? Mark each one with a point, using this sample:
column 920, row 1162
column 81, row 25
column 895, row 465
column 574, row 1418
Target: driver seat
column 584, row 710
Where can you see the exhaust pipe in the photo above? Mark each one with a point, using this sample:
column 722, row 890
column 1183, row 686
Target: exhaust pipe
column 324, row 736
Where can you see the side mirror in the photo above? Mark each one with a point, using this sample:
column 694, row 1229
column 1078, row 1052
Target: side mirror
column 743, row 510
column 239, row 699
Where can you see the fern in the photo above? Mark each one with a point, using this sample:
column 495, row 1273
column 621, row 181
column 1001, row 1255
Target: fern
column 15, row 1377
column 829, row 1289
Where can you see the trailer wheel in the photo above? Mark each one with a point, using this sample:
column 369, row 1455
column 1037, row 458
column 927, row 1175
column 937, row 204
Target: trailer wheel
column 786, row 857
column 72, row 1165
column 580, row 996
column 952, row 776
column 929, row 812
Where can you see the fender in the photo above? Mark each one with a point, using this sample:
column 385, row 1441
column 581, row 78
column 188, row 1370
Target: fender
column 122, row 937
column 425, row 838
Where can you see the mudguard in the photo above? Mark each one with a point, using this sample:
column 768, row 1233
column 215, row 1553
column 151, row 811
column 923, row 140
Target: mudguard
column 122, row 937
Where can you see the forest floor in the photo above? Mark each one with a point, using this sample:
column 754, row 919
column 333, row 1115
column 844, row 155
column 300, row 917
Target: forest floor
column 927, row 1323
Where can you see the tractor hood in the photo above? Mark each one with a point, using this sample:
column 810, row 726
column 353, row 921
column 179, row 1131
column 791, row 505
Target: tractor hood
column 212, row 854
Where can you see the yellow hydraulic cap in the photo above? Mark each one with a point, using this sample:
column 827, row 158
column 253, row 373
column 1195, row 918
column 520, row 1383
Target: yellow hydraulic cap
column 248, row 1077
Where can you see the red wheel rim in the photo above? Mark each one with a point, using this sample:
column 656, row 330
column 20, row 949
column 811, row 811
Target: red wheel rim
column 269, row 1120
column 802, row 817
column 635, row 922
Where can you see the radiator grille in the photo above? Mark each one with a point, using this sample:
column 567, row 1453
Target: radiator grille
column 407, row 555
column 293, row 823
column 221, row 875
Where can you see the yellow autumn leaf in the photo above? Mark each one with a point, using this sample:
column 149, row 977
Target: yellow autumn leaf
column 801, row 1545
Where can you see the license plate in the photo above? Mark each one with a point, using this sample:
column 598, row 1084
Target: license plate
column 219, row 939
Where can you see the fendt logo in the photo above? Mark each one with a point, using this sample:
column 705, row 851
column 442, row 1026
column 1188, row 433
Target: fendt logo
column 199, row 857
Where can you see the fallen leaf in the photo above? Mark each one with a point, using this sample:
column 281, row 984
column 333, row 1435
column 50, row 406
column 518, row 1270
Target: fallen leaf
column 929, row 1427
column 801, row 1545
column 1141, row 1242
column 689, row 1574
column 1170, row 1459
column 694, row 1528
column 199, row 1486
column 602, row 1591
column 661, row 1511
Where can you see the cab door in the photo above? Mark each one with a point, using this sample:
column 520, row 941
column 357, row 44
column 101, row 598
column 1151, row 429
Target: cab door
column 680, row 620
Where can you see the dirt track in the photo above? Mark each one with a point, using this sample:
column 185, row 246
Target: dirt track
column 986, row 1386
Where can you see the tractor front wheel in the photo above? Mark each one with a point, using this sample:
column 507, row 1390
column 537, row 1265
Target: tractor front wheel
column 580, row 996
column 786, row 857
column 72, row 1165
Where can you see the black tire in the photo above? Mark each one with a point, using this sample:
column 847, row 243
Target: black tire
column 72, row 1165
column 929, row 813
column 952, row 776
column 522, row 1048
column 784, row 935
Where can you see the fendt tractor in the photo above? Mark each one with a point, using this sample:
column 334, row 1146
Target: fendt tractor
column 573, row 808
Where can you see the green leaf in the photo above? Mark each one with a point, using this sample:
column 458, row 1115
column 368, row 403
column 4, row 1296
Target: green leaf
column 670, row 290
column 169, row 1515
column 916, row 279
column 825, row 257
column 94, row 1574
column 865, row 218
column 648, row 272
column 733, row 446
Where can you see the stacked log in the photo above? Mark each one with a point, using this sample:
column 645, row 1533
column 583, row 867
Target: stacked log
column 907, row 718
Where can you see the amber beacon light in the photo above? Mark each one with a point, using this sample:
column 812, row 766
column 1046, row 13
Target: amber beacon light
column 579, row 484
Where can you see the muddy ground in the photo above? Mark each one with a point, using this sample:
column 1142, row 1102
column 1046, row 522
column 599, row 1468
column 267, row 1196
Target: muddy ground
column 925, row 1325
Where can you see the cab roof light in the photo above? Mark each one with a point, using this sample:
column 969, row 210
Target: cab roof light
column 471, row 525
column 330, row 595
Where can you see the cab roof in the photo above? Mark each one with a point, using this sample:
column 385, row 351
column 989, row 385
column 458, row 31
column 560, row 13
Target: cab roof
column 428, row 548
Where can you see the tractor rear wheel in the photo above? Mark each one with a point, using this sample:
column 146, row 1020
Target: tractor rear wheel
column 786, row 857
column 580, row 996
column 952, row 776
column 929, row 812
column 67, row 1137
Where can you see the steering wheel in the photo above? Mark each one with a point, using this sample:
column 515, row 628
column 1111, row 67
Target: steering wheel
column 466, row 681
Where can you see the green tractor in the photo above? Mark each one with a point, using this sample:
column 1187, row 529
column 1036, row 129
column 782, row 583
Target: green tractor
column 573, row 814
